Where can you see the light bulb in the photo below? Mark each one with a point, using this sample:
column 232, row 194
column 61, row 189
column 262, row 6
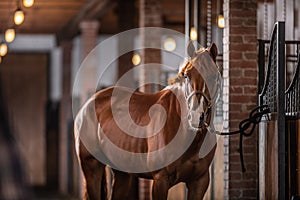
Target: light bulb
column 136, row 59
column 193, row 34
column 28, row 3
column 10, row 35
column 3, row 49
column 19, row 17
column 221, row 21
column 170, row 44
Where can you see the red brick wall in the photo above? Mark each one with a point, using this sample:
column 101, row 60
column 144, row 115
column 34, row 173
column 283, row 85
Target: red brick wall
column 150, row 15
column 240, row 95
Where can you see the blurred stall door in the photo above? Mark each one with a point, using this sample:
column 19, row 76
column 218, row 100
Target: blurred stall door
column 24, row 86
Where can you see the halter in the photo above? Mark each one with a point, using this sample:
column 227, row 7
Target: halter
column 203, row 119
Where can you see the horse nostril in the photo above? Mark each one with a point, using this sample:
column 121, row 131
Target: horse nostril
column 202, row 116
column 201, row 120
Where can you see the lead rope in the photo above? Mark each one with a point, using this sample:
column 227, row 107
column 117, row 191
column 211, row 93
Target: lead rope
column 255, row 117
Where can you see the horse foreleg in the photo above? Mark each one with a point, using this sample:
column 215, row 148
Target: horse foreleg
column 160, row 189
column 94, row 173
column 198, row 187
column 124, row 186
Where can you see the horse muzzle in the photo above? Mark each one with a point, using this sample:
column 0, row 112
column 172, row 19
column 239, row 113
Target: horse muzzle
column 199, row 113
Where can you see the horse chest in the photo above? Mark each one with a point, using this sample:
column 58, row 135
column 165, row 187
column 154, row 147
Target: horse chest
column 191, row 169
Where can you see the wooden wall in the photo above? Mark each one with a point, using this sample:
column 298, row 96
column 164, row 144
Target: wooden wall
column 24, row 87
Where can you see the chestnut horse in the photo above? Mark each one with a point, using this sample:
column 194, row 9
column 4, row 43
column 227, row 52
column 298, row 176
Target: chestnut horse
column 163, row 136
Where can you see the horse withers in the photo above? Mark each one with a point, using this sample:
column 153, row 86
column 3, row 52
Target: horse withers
column 167, row 136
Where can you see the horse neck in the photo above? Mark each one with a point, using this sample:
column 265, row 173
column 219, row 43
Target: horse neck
column 200, row 135
column 177, row 88
column 198, row 141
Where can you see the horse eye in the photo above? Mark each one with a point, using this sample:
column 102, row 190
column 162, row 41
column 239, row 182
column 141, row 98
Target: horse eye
column 189, row 76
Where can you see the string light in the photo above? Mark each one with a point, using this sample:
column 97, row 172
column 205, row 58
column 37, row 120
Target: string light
column 170, row 44
column 3, row 49
column 221, row 21
column 193, row 34
column 10, row 35
column 19, row 17
column 136, row 59
column 28, row 3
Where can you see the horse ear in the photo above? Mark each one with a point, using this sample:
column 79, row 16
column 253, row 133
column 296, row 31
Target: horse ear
column 213, row 51
column 191, row 50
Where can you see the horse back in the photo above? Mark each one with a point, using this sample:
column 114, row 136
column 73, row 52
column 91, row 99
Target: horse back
column 114, row 100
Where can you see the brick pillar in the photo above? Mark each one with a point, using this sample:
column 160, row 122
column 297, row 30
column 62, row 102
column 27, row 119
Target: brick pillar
column 126, row 10
column 89, row 35
column 240, row 95
column 150, row 16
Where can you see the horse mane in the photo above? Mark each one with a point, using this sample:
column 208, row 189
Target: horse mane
column 174, row 80
column 183, row 68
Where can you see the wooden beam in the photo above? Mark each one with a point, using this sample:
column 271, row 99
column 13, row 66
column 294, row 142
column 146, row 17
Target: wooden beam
column 94, row 9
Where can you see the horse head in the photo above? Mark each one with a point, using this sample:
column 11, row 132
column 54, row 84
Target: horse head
column 200, row 78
